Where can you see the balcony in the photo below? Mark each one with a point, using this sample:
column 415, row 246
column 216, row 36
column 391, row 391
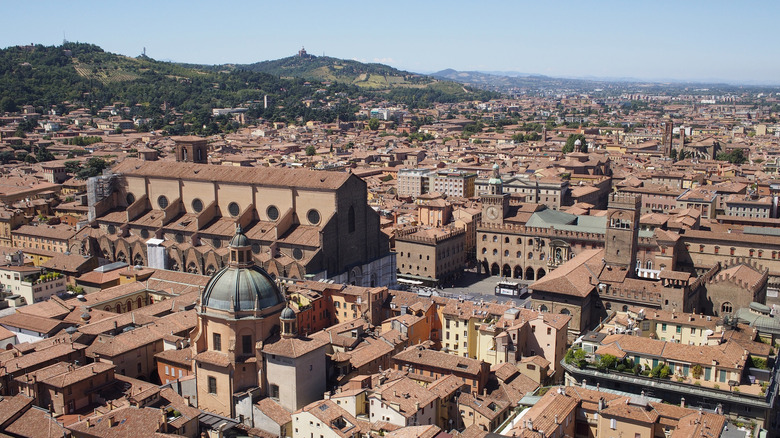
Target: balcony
column 750, row 396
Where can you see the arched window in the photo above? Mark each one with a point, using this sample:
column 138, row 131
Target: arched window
column 726, row 307
column 506, row 253
column 484, row 237
column 118, row 308
column 542, row 308
column 565, row 312
column 484, row 250
column 649, row 264
column 519, row 254
column 140, row 302
column 351, row 219
column 506, row 240
column 495, row 238
column 495, row 252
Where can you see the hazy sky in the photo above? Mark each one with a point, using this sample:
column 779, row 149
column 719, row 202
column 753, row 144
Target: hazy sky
column 736, row 41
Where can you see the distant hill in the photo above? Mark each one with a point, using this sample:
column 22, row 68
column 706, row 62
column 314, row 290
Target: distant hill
column 85, row 74
column 396, row 85
column 511, row 82
column 325, row 68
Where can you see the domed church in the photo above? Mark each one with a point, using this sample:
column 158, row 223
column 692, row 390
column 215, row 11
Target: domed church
column 238, row 317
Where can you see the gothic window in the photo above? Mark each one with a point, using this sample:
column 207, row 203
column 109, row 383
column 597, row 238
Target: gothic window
column 726, row 307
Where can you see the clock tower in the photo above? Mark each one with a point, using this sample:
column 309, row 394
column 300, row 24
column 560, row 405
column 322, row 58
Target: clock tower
column 495, row 202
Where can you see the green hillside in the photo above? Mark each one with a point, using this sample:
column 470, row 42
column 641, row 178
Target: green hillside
column 325, row 68
column 85, row 75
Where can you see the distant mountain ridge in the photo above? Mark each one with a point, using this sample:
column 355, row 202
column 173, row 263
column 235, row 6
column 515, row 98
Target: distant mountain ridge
column 504, row 81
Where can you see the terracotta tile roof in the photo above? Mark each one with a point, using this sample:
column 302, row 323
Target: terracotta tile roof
column 11, row 406
column 38, row 324
column 261, row 176
column 504, row 371
column 446, row 385
column 124, row 422
column 180, row 322
column 71, row 376
column 34, row 423
column 181, row 357
column 430, row 431
column 293, row 347
column 439, row 359
column 274, row 411
column 39, row 357
column 575, row 277
column 408, row 395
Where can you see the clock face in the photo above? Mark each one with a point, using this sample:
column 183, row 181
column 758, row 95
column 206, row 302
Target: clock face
column 492, row 213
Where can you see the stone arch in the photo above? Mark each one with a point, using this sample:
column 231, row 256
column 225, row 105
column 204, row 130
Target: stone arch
column 565, row 312
column 543, row 308
column 494, row 269
column 506, row 271
column 518, row 272
column 529, row 273
column 355, row 276
column 540, row 273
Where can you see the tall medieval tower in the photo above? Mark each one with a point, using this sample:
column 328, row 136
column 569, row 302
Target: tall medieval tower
column 622, row 231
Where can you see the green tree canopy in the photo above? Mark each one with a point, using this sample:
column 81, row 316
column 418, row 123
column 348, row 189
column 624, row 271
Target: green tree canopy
column 737, row 156
column 569, row 146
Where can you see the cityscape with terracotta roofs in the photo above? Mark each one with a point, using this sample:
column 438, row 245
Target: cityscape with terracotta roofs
column 322, row 247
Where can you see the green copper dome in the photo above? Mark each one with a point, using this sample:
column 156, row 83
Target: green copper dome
column 241, row 286
column 241, row 289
